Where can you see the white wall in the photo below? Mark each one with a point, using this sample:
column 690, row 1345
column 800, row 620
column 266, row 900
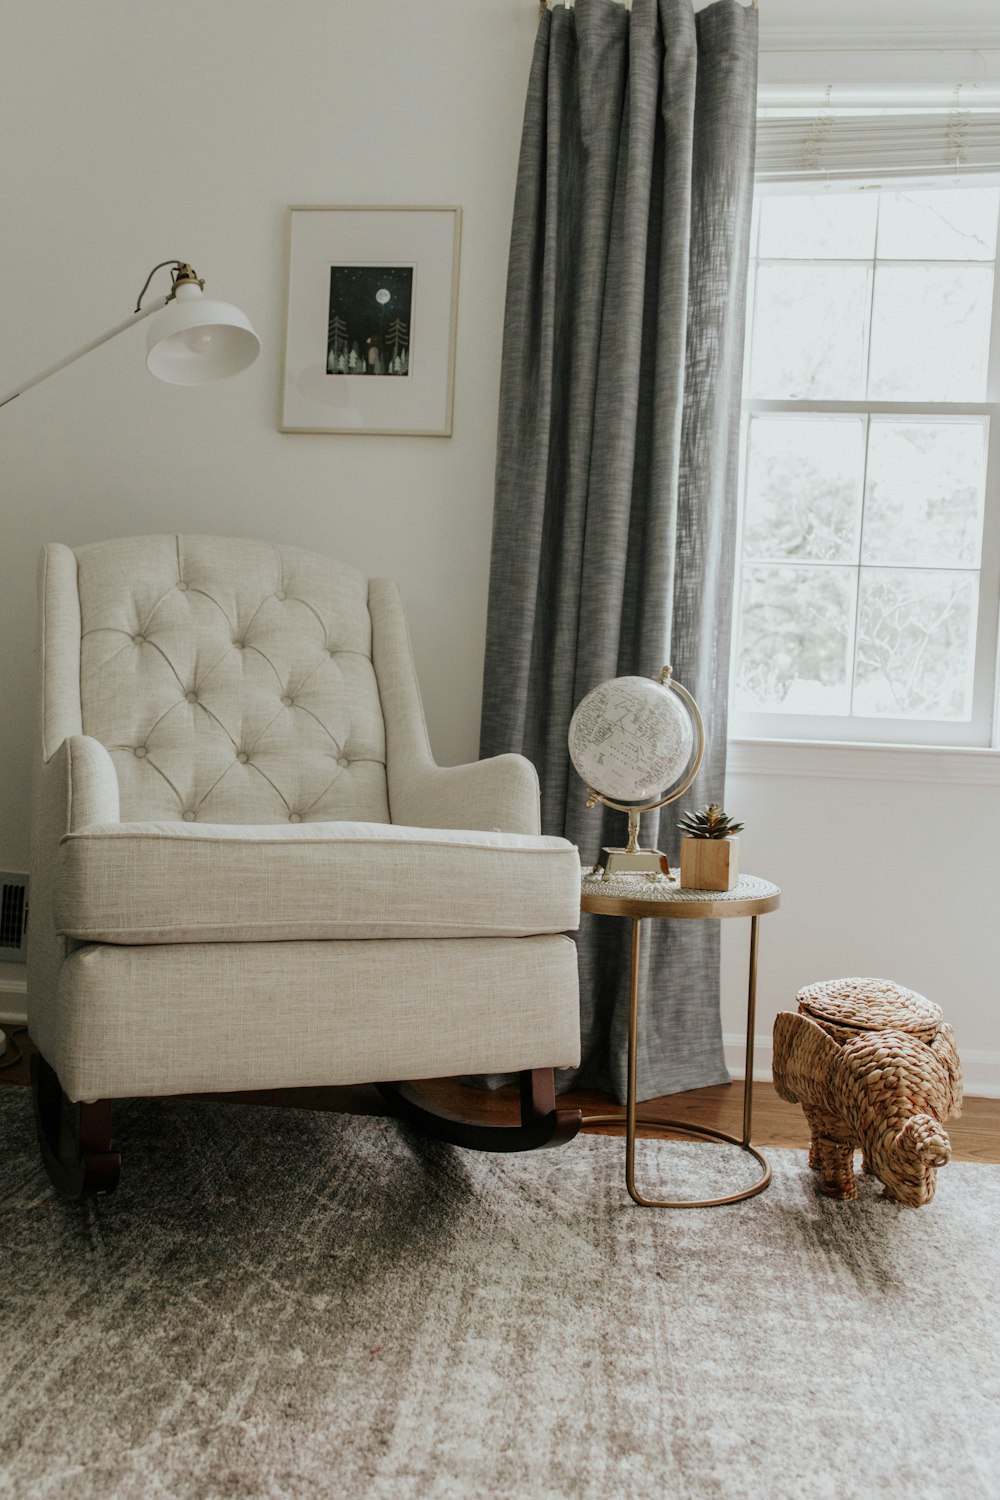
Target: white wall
column 886, row 869
column 133, row 133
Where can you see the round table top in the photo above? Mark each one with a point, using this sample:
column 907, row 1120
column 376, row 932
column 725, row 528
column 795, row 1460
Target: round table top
column 636, row 896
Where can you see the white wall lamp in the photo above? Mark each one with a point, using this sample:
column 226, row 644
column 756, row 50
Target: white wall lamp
column 194, row 338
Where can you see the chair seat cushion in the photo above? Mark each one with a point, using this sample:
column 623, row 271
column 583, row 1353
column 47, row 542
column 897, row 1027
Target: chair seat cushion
column 194, row 883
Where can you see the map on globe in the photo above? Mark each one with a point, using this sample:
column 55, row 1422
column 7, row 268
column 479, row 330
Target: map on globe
column 630, row 739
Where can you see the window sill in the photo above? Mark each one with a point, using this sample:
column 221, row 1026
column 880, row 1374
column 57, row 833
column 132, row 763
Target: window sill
column 864, row 762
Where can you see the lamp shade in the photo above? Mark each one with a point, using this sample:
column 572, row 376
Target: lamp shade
column 196, row 339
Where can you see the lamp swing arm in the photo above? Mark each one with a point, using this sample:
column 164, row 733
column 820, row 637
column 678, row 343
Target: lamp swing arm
column 71, row 359
column 182, row 276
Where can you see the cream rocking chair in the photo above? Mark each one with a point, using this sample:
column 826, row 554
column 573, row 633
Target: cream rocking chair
column 249, row 874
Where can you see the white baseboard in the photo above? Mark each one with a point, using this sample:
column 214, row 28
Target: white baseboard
column 981, row 1070
column 13, row 1000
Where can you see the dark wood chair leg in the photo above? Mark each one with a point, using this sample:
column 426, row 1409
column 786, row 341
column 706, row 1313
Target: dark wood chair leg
column 75, row 1139
column 541, row 1123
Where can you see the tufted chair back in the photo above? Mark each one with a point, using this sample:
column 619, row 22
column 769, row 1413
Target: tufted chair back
column 231, row 681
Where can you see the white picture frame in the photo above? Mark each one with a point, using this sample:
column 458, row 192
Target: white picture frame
column 371, row 320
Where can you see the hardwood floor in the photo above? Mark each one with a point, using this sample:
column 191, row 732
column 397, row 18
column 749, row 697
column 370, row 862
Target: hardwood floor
column 975, row 1136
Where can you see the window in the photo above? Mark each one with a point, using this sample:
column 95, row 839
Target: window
column 869, row 555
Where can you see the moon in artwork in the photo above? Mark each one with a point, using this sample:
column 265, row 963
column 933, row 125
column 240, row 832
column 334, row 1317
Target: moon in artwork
column 382, row 296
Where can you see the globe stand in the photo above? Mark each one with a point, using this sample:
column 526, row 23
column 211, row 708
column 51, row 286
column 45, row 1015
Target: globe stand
column 651, row 864
column 632, row 860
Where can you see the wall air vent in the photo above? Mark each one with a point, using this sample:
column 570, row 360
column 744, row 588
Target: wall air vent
column 13, row 918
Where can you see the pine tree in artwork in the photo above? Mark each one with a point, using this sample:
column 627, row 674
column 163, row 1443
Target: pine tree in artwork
column 336, row 341
column 397, row 337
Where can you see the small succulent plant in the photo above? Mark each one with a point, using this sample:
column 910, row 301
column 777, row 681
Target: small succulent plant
column 710, row 823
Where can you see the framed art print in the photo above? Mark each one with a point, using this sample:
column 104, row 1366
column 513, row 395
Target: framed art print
column 372, row 308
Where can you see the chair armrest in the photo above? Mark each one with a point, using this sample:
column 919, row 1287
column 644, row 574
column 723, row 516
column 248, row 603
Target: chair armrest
column 83, row 774
column 500, row 794
column 76, row 787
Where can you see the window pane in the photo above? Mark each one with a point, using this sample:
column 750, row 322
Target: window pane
column 809, row 332
column 827, row 226
column 916, row 644
column 930, row 333
column 795, row 640
column 803, row 488
column 924, row 493
column 954, row 224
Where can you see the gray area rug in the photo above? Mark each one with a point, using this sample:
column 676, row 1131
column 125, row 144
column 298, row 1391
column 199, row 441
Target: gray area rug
column 286, row 1304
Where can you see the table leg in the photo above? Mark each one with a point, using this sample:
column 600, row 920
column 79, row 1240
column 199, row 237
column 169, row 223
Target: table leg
column 633, row 1049
column 632, row 1118
column 751, row 1025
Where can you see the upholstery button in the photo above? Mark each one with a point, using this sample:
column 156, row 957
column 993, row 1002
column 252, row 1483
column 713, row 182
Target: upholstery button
column 295, row 817
column 279, row 594
column 138, row 640
column 140, row 752
column 190, row 816
column 287, row 701
column 182, row 586
column 331, row 650
column 243, row 757
column 238, row 645
column 191, row 697
column 343, row 761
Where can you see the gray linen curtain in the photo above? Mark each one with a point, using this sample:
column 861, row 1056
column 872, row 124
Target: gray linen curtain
column 618, row 435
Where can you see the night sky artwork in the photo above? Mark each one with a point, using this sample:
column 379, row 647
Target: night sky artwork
column 369, row 327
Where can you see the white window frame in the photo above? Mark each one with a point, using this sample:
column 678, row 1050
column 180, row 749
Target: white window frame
column 982, row 732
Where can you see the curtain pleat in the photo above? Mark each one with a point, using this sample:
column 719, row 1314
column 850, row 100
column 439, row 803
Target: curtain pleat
column 618, row 434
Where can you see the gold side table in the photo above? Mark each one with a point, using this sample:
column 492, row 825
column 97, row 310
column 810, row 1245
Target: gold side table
column 627, row 896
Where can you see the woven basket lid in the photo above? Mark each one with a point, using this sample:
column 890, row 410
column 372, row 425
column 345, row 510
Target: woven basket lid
column 871, row 1005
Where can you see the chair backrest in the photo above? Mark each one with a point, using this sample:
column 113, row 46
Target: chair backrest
column 231, row 680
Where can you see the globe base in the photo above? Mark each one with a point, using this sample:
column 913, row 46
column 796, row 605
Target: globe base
column 646, row 863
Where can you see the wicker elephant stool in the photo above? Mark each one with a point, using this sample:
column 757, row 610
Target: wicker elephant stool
column 875, row 1069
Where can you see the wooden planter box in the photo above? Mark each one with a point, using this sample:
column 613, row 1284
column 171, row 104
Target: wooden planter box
column 710, row 864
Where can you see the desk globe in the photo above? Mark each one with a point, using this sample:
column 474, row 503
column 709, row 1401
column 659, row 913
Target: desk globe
column 638, row 743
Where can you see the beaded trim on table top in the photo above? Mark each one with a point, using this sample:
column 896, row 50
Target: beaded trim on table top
column 633, row 887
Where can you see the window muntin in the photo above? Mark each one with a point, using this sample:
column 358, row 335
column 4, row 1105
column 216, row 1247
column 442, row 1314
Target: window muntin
column 863, row 608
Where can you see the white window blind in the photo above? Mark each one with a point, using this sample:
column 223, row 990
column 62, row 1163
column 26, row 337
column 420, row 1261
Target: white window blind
column 845, row 144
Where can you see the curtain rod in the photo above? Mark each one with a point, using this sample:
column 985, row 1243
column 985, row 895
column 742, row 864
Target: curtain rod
column 544, row 5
